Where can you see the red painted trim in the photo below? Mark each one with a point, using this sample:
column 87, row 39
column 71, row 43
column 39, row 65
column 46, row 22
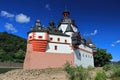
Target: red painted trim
column 46, row 36
column 33, row 35
column 86, row 51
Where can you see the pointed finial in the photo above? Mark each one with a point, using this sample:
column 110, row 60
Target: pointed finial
column 37, row 22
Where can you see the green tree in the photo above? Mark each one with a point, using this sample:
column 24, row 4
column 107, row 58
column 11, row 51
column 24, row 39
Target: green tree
column 10, row 45
column 101, row 57
column 2, row 52
column 20, row 55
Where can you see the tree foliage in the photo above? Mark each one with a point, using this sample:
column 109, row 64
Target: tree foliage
column 102, row 57
column 12, row 47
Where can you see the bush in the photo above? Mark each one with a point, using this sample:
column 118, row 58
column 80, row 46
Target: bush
column 76, row 73
column 90, row 68
column 100, row 76
column 107, row 67
column 116, row 74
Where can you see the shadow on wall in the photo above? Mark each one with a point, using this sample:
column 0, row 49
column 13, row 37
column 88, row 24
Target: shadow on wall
column 77, row 54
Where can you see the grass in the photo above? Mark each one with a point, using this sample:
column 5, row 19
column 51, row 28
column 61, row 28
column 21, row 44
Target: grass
column 76, row 73
column 100, row 76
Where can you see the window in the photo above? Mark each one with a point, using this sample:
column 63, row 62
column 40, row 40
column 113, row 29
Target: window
column 40, row 37
column 51, row 38
column 65, row 41
column 83, row 55
column 30, row 37
column 55, row 47
column 58, row 39
column 79, row 54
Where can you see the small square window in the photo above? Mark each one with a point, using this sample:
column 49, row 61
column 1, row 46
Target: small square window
column 55, row 47
column 83, row 55
column 65, row 41
column 51, row 38
column 58, row 39
column 40, row 37
column 30, row 37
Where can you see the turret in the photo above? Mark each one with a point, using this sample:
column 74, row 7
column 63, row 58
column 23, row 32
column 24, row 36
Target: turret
column 67, row 21
column 38, row 23
column 76, row 39
column 90, row 44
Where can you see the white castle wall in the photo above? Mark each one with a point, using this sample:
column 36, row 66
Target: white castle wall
column 37, row 35
column 62, row 46
column 62, row 38
column 40, row 34
column 83, row 58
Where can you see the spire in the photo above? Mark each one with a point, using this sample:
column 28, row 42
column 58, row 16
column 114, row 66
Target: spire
column 89, row 41
column 51, row 23
column 37, row 23
column 66, row 13
column 69, row 28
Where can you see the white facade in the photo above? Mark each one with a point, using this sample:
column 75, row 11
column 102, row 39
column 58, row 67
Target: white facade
column 83, row 58
column 62, row 45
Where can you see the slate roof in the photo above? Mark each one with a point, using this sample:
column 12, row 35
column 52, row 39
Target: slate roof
column 69, row 28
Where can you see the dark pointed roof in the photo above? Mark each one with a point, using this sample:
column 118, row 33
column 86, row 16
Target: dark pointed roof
column 69, row 28
column 89, row 40
column 66, row 19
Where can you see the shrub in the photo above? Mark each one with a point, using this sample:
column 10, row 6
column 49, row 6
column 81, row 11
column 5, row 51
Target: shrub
column 90, row 68
column 116, row 74
column 107, row 67
column 100, row 76
column 76, row 73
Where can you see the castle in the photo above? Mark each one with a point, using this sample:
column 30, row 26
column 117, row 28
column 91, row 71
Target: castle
column 54, row 46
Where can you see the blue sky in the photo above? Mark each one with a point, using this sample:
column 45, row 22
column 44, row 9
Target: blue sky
column 100, row 19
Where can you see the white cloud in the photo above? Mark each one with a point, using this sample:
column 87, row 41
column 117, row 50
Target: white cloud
column 21, row 18
column 112, row 45
column 115, row 43
column 92, row 34
column 47, row 6
column 6, row 14
column 10, row 27
column 118, row 41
